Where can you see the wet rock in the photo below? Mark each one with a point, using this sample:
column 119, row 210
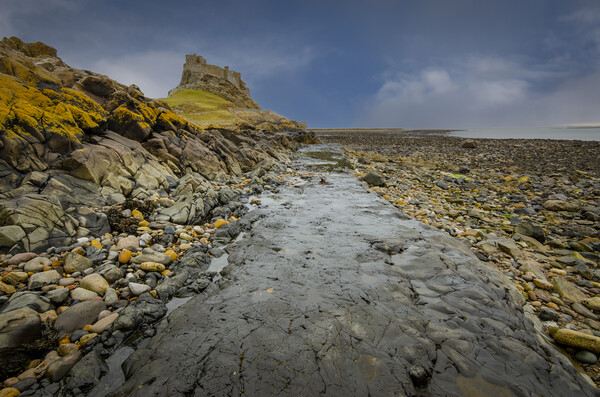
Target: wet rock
column 145, row 309
column 87, row 372
column 94, row 282
column 67, row 348
column 42, row 279
column 78, row 315
column 576, row 339
column 59, row 368
column 7, row 289
column 76, row 263
column 25, row 384
column 374, row 179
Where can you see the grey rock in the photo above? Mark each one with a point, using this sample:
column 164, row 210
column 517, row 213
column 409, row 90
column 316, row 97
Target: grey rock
column 36, row 264
column 111, row 273
column 78, row 315
column 18, row 327
column 561, row 205
column 374, row 179
column 82, row 294
column 76, row 263
column 138, row 289
column 87, row 372
column 10, row 235
column 58, row 296
column 584, row 311
column 39, row 280
column 548, row 314
column 59, row 368
column 530, row 230
column 149, row 255
column 110, row 297
column 30, row 300
column 586, row 357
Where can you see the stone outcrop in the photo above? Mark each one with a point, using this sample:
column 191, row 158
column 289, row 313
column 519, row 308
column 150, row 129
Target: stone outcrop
column 226, row 83
column 73, row 141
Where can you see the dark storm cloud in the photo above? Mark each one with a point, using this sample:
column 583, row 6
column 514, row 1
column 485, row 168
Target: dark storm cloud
column 431, row 63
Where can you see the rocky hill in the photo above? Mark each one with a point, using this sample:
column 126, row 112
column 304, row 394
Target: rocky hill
column 71, row 140
column 102, row 192
column 209, row 95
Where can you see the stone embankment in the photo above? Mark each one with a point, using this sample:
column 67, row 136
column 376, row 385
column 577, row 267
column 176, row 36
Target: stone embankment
column 530, row 208
column 102, row 193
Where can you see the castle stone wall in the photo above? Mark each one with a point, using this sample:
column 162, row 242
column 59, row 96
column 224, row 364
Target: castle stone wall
column 195, row 67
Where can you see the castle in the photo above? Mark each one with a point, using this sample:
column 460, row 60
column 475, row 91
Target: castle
column 195, row 68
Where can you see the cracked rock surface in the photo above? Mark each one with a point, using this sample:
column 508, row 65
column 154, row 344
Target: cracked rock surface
column 336, row 292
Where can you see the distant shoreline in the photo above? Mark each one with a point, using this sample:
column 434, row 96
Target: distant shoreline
column 395, row 130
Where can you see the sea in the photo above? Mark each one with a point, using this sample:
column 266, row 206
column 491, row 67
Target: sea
column 570, row 133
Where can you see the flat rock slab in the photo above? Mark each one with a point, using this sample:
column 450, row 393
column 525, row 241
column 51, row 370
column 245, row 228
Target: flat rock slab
column 314, row 306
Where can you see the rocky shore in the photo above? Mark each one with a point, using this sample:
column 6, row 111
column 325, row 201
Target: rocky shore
column 110, row 204
column 531, row 208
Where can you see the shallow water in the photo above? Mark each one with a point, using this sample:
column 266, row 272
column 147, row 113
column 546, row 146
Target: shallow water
column 562, row 133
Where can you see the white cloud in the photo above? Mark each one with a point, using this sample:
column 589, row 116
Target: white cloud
column 483, row 92
column 155, row 72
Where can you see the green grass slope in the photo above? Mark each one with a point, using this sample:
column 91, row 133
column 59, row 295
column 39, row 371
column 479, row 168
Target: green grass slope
column 200, row 107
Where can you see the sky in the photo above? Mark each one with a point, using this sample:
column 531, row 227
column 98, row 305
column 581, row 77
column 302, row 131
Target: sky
column 352, row 63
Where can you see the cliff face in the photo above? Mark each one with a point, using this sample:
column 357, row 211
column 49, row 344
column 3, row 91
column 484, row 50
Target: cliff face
column 71, row 140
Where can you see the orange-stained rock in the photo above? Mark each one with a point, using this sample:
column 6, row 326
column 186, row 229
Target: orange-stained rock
column 97, row 244
column 172, row 254
column 220, row 222
column 124, row 256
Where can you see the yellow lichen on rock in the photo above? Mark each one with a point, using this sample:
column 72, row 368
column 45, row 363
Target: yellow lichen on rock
column 220, row 222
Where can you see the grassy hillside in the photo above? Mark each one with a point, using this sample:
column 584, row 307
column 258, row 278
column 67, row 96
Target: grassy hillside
column 200, row 107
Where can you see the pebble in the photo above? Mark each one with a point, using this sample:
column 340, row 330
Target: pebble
column 82, row 294
column 95, row 283
column 138, row 289
column 586, row 357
